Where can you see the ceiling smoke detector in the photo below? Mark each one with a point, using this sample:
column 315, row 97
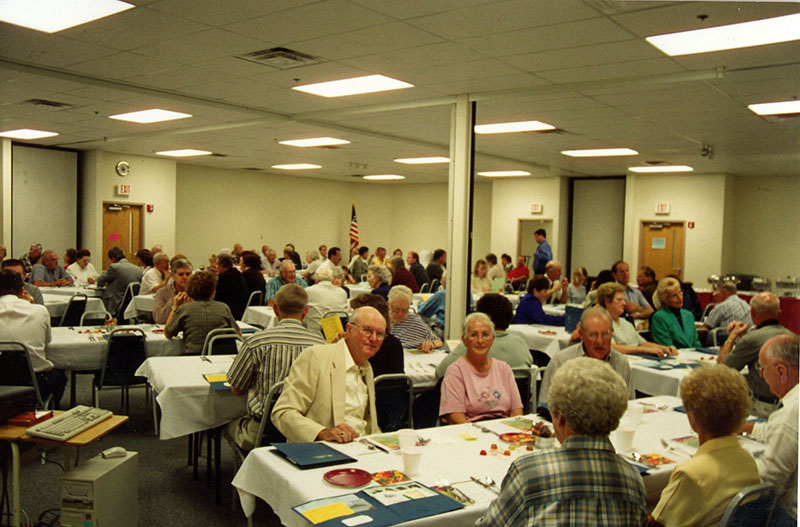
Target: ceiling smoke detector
column 280, row 58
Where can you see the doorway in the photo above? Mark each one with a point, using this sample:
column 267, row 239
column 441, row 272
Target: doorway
column 662, row 247
column 121, row 228
column 526, row 243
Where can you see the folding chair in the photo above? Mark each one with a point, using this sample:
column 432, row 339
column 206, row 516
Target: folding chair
column 343, row 316
column 526, row 383
column 751, row 507
column 16, row 369
column 226, row 341
column 434, row 285
column 394, row 401
column 131, row 291
column 75, row 309
column 425, row 287
column 94, row 318
column 256, row 299
column 125, row 351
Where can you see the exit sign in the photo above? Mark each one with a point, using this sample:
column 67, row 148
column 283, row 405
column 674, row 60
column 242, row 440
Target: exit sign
column 123, row 190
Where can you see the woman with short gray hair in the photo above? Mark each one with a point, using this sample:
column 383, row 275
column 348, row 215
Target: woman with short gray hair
column 406, row 325
column 379, row 277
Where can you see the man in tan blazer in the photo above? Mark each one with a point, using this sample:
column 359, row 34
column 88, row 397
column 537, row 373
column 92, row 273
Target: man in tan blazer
column 329, row 394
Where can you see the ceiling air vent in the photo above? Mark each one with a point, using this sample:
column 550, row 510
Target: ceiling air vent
column 253, row 169
column 218, row 155
column 280, row 58
column 44, row 103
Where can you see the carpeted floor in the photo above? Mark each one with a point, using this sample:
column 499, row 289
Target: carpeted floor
column 168, row 496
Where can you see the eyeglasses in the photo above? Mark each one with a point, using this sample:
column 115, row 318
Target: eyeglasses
column 369, row 332
column 605, row 335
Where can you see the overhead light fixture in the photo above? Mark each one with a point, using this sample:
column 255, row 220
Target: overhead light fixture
column 733, row 36
column 504, row 173
column 421, row 160
column 315, row 141
column 354, row 86
column 661, row 168
column 775, row 108
column 600, row 152
column 297, row 166
column 384, row 177
column 26, row 133
column 186, row 152
column 155, row 115
column 51, row 16
column 507, row 128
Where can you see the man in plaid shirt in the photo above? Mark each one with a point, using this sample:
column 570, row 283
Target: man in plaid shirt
column 583, row 483
column 729, row 308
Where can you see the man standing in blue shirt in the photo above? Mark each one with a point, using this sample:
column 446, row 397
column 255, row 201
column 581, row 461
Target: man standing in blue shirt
column 543, row 252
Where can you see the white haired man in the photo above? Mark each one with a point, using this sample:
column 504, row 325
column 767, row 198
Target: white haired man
column 324, row 296
column 583, row 483
column 729, row 308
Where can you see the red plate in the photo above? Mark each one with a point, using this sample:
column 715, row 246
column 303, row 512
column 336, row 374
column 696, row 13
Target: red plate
column 517, row 437
column 347, row 477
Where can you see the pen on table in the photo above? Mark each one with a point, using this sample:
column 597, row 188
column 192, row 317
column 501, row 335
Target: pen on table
column 377, row 445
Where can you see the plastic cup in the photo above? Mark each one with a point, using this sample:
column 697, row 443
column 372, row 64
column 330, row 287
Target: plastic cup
column 624, row 438
column 407, row 438
column 633, row 416
column 412, row 459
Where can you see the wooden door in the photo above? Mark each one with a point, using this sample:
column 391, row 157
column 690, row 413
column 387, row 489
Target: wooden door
column 121, row 228
column 662, row 247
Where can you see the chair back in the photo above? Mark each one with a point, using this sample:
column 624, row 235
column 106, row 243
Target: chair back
column 16, row 368
column 256, row 299
column 425, row 287
column 526, row 383
column 434, row 285
column 394, row 401
column 343, row 316
column 94, row 318
column 522, row 285
column 267, row 433
column 717, row 335
column 751, row 507
column 75, row 309
column 540, row 358
column 125, row 351
column 226, row 345
column 131, row 291
column 707, row 311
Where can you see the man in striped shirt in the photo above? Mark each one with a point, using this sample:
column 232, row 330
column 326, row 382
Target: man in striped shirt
column 265, row 359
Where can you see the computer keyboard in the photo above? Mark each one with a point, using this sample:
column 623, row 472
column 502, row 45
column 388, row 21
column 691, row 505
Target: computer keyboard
column 70, row 423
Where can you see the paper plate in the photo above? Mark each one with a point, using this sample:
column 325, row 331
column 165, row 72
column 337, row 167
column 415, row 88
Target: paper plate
column 517, row 437
column 347, row 477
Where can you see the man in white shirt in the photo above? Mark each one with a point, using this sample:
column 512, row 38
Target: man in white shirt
column 326, row 295
column 81, row 270
column 334, row 258
column 157, row 276
column 778, row 364
column 29, row 324
column 557, row 294
column 329, row 394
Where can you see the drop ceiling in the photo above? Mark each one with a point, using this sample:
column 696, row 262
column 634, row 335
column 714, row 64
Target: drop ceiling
column 580, row 65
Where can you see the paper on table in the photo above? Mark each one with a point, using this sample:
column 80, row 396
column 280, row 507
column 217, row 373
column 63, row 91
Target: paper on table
column 332, row 510
column 331, row 327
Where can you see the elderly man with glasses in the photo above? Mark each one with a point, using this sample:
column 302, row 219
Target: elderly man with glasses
column 329, row 394
column 595, row 331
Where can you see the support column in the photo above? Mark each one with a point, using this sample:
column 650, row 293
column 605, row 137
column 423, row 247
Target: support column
column 5, row 195
column 459, row 226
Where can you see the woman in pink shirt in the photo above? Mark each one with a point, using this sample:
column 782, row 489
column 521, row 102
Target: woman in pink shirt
column 477, row 386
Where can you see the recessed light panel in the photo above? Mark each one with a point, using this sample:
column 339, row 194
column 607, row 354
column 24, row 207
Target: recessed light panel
column 186, row 152
column 384, row 177
column 154, row 115
column 600, row 152
column 297, row 166
column 733, row 36
column 354, row 86
column 51, row 16
column 421, row 160
column 504, row 173
column 661, row 168
column 775, row 108
column 507, row 128
column 26, row 133
column 315, row 141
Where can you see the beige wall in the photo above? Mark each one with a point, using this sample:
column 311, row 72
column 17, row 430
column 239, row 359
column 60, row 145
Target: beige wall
column 152, row 181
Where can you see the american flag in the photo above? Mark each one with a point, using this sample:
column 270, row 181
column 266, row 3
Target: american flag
column 353, row 229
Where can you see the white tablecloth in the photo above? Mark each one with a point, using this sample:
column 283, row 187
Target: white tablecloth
column 57, row 304
column 187, row 402
column 262, row 316
column 664, row 382
column 534, row 337
column 140, row 305
column 69, row 290
column 421, row 367
column 361, row 288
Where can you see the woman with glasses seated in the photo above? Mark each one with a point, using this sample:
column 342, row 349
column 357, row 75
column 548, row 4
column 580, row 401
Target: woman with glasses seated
column 407, row 326
column 476, row 386
column 671, row 325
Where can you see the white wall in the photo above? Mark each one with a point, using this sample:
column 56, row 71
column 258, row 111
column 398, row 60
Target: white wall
column 597, row 223
column 697, row 198
column 152, row 181
column 763, row 218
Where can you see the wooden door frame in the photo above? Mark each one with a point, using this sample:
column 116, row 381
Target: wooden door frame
column 528, row 257
column 643, row 223
column 141, row 206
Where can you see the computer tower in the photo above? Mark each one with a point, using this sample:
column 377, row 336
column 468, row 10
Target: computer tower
column 101, row 493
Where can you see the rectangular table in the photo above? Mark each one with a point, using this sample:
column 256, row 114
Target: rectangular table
column 140, row 305
column 547, row 339
column 261, row 316
column 69, row 290
column 664, row 382
column 57, row 304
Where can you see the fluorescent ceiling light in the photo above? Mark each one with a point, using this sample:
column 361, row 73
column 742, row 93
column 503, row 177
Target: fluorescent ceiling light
column 26, row 133
column 421, row 160
column 186, row 152
column 519, row 126
column 354, row 86
column 384, row 177
column 296, row 166
column 504, row 173
column 51, row 16
column 154, row 115
column 600, row 152
column 662, row 168
column 315, row 141
column 733, row 36
column 775, row 108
